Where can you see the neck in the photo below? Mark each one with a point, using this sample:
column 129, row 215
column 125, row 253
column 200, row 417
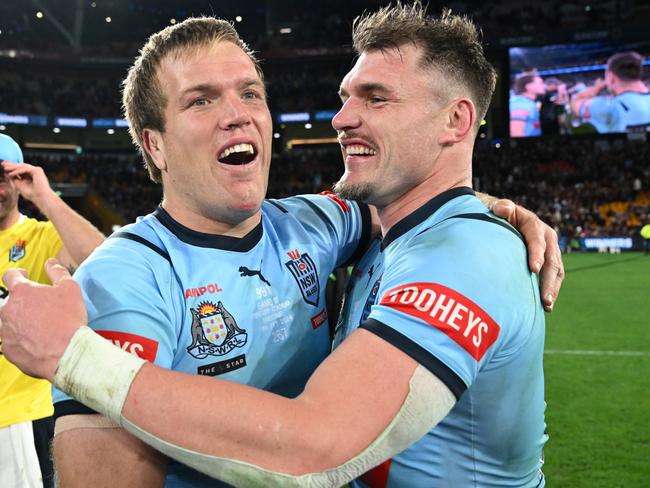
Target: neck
column 631, row 86
column 199, row 222
column 10, row 219
column 532, row 96
column 452, row 174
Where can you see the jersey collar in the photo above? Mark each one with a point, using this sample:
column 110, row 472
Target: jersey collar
column 216, row 241
column 422, row 213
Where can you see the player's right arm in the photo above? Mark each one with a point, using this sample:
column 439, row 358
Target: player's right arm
column 89, row 450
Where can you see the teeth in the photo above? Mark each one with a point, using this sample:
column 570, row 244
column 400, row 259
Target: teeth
column 237, row 148
column 359, row 149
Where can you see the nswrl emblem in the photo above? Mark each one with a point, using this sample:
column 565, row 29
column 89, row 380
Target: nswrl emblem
column 214, row 331
column 303, row 269
column 17, row 251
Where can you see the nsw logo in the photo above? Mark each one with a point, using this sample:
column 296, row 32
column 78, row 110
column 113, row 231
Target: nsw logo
column 303, row 269
column 214, row 331
column 17, row 251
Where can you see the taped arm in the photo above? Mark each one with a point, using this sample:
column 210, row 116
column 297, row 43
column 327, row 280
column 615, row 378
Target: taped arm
column 90, row 450
column 320, row 438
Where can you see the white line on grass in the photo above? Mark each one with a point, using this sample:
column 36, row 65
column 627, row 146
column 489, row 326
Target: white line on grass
column 579, row 352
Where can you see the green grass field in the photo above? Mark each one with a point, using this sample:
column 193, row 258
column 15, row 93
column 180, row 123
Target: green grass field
column 597, row 365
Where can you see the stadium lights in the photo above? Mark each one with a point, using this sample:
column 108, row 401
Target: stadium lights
column 285, row 30
column 325, row 140
column 307, row 125
column 39, row 15
column 3, row 127
column 108, row 20
column 110, row 131
column 239, row 18
column 172, row 21
column 276, row 135
column 56, row 130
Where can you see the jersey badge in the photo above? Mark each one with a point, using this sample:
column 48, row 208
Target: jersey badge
column 17, row 251
column 303, row 269
column 214, row 331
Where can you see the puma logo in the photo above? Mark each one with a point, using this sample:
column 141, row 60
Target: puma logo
column 244, row 271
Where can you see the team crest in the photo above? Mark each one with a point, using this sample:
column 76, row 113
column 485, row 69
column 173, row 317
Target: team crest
column 17, row 251
column 214, row 331
column 303, row 269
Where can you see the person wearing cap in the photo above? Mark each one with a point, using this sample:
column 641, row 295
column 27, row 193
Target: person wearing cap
column 25, row 403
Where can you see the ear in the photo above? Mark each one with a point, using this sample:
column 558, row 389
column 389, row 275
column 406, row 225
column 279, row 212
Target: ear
column 153, row 143
column 459, row 121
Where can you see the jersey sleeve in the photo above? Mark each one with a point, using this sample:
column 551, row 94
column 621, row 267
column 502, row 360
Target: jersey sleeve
column 130, row 295
column 444, row 297
column 343, row 226
column 51, row 239
column 603, row 112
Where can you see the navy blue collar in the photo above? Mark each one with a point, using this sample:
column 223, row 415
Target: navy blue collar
column 422, row 213
column 216, row 241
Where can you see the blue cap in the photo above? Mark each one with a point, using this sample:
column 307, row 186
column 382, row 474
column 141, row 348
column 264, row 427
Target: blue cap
column 10, row 150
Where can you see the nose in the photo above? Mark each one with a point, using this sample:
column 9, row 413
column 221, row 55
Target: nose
column 234, row 113
column 347, row 117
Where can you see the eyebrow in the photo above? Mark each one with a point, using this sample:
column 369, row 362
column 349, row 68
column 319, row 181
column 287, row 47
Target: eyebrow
column 214, row 88
column 366, row 88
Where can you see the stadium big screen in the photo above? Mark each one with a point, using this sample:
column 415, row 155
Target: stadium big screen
column 568, row 88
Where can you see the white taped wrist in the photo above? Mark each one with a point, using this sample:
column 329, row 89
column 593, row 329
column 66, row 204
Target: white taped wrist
column 96, row 373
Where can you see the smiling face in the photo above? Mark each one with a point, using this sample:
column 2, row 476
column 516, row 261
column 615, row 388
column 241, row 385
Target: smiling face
column 215, row 151
column 389, row 125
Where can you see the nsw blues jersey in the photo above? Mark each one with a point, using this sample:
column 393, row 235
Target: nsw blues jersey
column 618, row 113
column 524, row 109
column 450, row 287
column 250, row 310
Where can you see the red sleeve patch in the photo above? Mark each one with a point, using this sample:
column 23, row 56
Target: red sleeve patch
column 341, row 203
column 142, row 347
column 460, row 318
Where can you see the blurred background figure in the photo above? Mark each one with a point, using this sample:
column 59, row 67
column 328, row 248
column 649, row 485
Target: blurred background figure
column 26, row 425
column 525, row 105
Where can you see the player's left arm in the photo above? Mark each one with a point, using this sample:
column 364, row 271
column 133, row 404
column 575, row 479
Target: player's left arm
column 544, row 254
column 79, row 236
column 367, row 386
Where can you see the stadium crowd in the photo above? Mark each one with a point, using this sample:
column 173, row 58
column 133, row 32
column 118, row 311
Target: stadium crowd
column 580, row 186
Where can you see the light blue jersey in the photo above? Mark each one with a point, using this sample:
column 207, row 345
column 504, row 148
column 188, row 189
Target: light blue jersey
column 617, row 113
column 524, row 109
column 451, row 288
column 250, row 310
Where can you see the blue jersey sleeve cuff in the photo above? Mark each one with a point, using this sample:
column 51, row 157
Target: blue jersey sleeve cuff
column 445, row 374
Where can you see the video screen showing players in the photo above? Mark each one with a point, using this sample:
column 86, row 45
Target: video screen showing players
column 588, row 88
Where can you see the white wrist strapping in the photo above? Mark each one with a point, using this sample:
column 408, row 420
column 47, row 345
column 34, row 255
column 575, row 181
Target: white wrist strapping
column 96, row 373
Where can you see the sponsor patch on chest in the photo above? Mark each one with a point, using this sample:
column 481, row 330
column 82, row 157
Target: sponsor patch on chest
column 457, row 316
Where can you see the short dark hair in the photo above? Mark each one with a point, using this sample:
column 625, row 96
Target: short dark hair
column 522, row 80
column 143, row 100
column 450, row 44
column 628, row 66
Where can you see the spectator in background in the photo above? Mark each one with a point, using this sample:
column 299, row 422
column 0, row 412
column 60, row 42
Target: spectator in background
column 26, row 424
column 553, row 106
column 525, row 104
column 628, row 103
column 645, row 233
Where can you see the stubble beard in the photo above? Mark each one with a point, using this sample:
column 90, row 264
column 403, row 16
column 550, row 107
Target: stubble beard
column 360, row 192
